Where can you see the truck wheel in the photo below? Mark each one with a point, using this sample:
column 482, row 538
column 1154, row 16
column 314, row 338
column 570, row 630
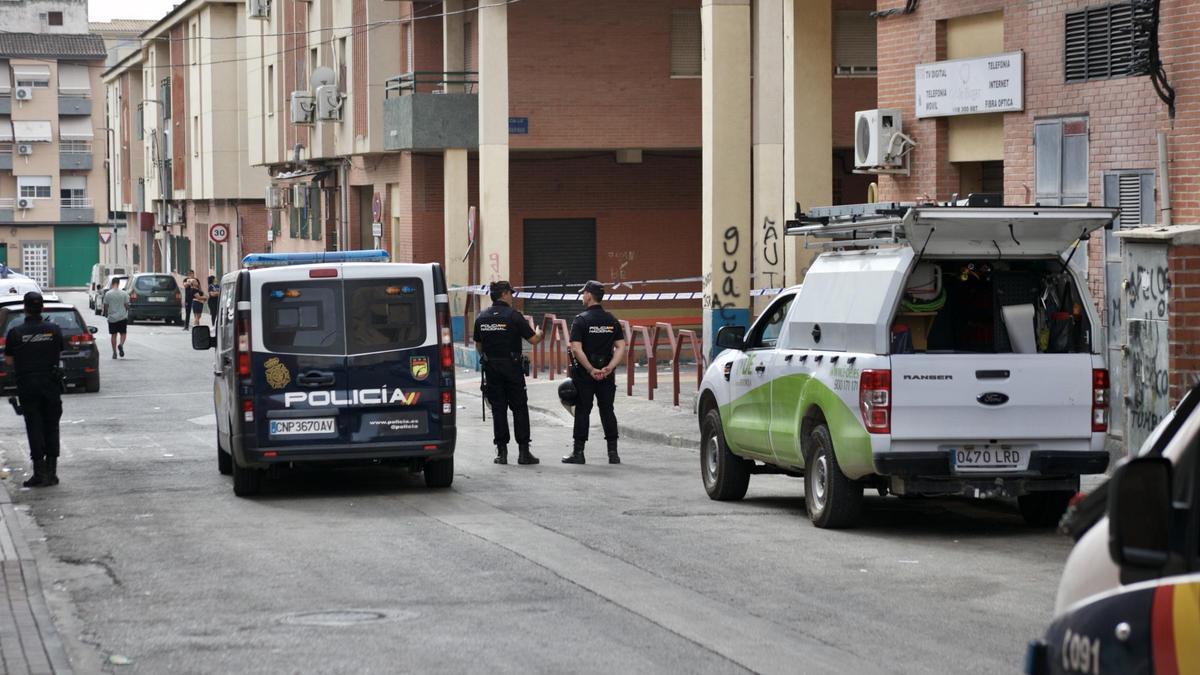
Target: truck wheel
column 726, row 476
column 439, row 473
column 833, row 500
column 246, row 481
column 1044, row 509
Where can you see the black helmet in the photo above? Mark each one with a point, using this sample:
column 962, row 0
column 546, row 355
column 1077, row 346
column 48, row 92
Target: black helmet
column 567, row 394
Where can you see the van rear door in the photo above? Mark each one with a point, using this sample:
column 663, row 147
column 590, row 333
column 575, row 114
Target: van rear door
column 1001, row 232
column 393, row 353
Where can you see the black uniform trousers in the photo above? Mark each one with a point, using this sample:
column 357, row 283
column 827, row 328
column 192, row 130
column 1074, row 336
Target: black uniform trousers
column 41, row 402
column 605, row 393
column 506, row 391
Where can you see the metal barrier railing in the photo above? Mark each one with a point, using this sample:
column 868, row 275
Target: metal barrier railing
column 407, row 83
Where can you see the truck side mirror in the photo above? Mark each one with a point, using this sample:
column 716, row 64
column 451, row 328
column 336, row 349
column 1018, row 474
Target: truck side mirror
column 732, row 337
column 202, row 340
column 1139, row 514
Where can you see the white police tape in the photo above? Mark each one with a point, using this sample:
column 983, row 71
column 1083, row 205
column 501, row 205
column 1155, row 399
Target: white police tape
column 614, row 297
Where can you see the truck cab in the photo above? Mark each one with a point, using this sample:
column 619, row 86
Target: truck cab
column 931, row 351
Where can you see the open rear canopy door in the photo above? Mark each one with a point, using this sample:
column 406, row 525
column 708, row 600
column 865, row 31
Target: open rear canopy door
column 1002, row 231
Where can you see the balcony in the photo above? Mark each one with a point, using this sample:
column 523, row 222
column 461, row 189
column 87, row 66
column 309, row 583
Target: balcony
column 420, row 114
column 7, row 204
column 76, row 210
column 74, row 104
column 5, row 104
column 6, row 156
column 75, row 156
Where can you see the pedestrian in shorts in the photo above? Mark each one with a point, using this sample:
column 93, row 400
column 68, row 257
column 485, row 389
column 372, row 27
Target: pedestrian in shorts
column 116, row 308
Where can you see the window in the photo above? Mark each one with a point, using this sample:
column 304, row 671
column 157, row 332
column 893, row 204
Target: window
column 195, row 136
column 216, row 259
column 54, row 18
column 1061, row 161
column 270, row 90
column 686, row 43
column 66, row 319
column 410, row 55
column 73, row 190
column 468, row 46
column 766, row 331
column 139, row 123
column 854, row 44
column 150, row 283
column 1132, row 192
column 33, row 187
column 303, row 317
column 341, row 63
column 384, row 315
column 164, row 97
column 37, row 83
column 1099, row 43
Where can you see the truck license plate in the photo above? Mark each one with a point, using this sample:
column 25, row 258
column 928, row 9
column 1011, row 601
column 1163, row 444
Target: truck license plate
column 987, row 458
column 320, row 425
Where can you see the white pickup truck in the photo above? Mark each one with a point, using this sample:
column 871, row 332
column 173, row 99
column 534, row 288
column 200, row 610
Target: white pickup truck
column 956, row 354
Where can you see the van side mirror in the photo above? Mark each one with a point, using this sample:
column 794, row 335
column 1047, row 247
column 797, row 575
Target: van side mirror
column 202, row 339
column 732, row 337
column 1139, row 514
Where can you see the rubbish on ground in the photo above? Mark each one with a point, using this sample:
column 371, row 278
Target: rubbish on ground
column 118, row 660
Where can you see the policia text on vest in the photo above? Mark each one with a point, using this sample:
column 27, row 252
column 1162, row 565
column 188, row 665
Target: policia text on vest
column 499, row 330
column 33, row 351
column 597, row 349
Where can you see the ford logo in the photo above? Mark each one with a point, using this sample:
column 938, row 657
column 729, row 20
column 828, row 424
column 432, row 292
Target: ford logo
column 993, row 398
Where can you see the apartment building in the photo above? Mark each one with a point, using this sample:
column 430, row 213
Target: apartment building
column 52, row 137
column 121, row 37
column 184, row 177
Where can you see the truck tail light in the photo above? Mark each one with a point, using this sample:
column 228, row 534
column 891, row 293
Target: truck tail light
column 875, row 400
column 447, row 403
column 247, row 410
column 446, row 341
column 1100, row 400
column 243, row 344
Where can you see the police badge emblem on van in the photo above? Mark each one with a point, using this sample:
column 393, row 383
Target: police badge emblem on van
column 419, row 365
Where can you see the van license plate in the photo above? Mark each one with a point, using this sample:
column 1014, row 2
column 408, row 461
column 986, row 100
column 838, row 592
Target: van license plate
column 306, row 427
column 987, row 458
column 158, row 299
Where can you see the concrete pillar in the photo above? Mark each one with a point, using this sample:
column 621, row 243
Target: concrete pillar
column 726, row 101
column 769, row 207
column 452, row 41
column 454, row 168
column 493, row 143
column 808, row 125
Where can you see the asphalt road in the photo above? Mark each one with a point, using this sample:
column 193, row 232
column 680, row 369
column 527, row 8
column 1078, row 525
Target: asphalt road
column 149, row 557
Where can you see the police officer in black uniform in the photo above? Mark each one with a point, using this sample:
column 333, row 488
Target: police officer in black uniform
column 32, row 351
column 598, row 348
column 499, row 330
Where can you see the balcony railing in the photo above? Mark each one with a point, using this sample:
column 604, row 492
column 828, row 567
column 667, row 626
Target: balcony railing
column 8, row 203
column 70, row 147
column 76, row 210
column 77, row 202
column 415, row 82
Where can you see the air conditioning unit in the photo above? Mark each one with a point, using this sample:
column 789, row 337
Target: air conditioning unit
column 23, row 93
column 274, row 197
column 303, row 108
column 24, row 149
column 24, row 203
column 258, row 9
column 329, row 103
column 878, row 141
column 299, row 196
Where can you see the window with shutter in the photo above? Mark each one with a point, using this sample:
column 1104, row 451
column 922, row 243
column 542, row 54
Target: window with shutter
column 1060, row 148
column 854, row 44
column 686, row 43
column 1099, row 43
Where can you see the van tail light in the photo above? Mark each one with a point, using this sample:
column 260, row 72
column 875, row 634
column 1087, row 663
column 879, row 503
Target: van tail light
column 177, row 296
column 243, row 344
column 132, row 296
column 1100, row 400
column 247, row 410
column 3, row 341
column 446, row 341
column 447, row 403
column 875, row 400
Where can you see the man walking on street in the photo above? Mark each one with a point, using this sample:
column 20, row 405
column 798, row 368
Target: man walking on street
column 32, row 351
column 498, row 332
column 116, row 308
column 191, row 286
column 598, row 348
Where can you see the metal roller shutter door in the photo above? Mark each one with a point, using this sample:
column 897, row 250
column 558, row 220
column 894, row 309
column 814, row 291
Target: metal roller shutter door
column 562, row 254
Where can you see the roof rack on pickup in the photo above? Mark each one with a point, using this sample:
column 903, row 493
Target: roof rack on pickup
column 850, row 225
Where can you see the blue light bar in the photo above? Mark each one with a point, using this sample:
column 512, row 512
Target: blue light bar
column 315, row 258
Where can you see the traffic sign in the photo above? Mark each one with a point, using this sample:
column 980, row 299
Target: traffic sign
column 219, row 233
column 105, row 237
column 377, row 208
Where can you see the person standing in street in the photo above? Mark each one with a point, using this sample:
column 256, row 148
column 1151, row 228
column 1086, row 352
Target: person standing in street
column 32, row 351
column 191, row 286
column 598, row 348
column 116, row 308
column 498, row 332
column 214, row 295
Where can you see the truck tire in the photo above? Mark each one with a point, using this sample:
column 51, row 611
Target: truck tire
column 833, row 500
column 439, row 473
column 247, row 482
column 1044, row 509
column 726, row 476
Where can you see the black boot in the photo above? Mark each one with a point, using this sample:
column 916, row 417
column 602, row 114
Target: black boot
column 51, row 471
column 576, row 456
column 39, row 476
column 526, row 457
column 501, row 455
column 613, row 457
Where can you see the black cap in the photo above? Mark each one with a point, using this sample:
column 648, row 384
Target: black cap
column 497, row 289
column 595, row 288
column 33, row 302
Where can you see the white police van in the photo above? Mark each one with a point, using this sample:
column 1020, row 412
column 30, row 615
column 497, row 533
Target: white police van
column 337, row 357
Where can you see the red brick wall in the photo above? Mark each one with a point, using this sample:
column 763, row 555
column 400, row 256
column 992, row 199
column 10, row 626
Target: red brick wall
column 180, row 122
column 358, row 76
column 597, row 75
column 1183, row 268
column 294, row 68
column 254, row 225
column 126, row 179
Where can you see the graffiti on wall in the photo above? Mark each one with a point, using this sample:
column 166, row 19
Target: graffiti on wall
column 722, row 290
column 1146, row 297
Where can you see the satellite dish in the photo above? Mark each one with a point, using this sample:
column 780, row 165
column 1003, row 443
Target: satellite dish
column 320, row 77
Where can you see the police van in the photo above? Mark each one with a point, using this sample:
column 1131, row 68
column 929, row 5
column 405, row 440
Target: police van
column 933, row 350
column 336, row 357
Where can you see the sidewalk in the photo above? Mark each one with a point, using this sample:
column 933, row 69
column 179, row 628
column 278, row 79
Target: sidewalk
column 29, row 642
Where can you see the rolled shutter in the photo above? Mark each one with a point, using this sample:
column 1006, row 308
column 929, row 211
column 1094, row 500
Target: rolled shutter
column 686, row 43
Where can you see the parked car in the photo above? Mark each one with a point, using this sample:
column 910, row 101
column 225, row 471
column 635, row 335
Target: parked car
column 960, row 359
column 80, row 357
column 15, row 283
column 122, row 283
column 97, row 286
column 155, row 296
column 1129, row 599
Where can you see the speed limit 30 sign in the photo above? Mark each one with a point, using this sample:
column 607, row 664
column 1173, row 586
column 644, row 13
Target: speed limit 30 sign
column 219, row 233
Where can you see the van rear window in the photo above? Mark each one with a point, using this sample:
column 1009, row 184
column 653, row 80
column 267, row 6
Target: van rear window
column 66, row 319
column 303, row 317
column 155, row 283
column 384, row 314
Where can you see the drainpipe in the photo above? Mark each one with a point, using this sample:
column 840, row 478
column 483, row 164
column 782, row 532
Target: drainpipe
column 1164, row 182
column 344, row 229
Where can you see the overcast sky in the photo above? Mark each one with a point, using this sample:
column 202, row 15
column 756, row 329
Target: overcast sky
column 107, row 10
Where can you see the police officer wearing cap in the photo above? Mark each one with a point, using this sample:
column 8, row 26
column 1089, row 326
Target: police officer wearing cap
column 598, row 348
column 498, row 332
column 32, row 351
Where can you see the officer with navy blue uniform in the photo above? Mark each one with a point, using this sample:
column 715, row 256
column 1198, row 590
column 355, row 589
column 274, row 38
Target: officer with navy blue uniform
column 598, row 348
column 499, row 330
column 32, row 352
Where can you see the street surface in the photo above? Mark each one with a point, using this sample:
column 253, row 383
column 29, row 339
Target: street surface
column 148, row 556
